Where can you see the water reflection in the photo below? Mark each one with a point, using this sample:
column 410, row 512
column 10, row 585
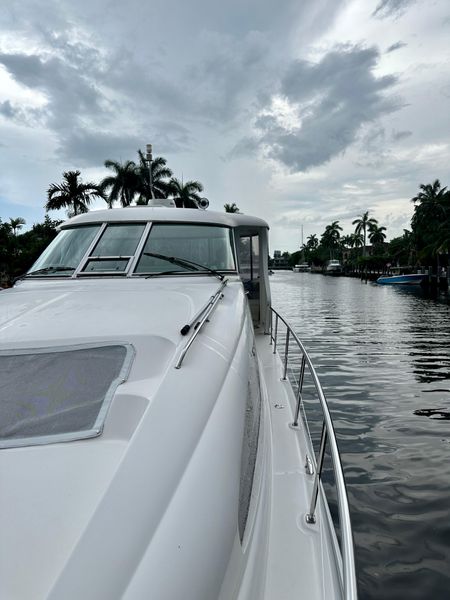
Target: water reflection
column 383, row 358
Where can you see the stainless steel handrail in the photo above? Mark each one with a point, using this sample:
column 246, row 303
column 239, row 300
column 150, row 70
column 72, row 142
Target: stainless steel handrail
column 347, row 552
column 206, row 311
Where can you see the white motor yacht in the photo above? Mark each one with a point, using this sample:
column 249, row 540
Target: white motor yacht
column 333, row 267
column 302, row 268
column 152, row 442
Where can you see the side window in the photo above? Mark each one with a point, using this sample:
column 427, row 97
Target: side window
column 248, row 252
column 248, row 255
column 250, row 443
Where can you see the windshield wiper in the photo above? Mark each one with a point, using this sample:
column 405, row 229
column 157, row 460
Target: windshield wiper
column 55, row 269
column 44, row 271
column 183, row 262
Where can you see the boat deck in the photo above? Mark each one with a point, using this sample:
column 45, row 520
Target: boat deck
column 298, row 552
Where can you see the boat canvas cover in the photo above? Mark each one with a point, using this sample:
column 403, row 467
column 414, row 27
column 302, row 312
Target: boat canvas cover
column 58, row 394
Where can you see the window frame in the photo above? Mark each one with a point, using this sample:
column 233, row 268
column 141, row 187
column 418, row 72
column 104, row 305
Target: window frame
column 130, row 258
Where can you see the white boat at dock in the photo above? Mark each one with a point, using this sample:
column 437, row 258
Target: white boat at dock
column 152, row 445
column 333, row 267
column 302, row 268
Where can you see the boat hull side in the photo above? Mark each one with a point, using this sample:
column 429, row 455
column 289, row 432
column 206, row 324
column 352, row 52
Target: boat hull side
column 173, row 506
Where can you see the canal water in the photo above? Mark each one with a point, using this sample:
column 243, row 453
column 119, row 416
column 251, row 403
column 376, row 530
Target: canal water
column 383, row 356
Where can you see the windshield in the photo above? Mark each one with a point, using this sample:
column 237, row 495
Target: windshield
column 61, row 258
column 207, row 245
column 114, row 249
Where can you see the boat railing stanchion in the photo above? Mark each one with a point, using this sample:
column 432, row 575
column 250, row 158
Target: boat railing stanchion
column 276, row 335
column 286, row 354
column 310, row 517
column 299, row 391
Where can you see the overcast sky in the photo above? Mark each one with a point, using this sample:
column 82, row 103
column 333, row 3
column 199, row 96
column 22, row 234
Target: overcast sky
column 300, row 111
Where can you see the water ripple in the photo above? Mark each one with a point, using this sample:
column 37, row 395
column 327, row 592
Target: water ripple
column 383, row 358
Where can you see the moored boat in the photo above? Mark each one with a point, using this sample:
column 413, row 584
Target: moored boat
column 152, row 445
column 333, row 267
column 405, row 279
column 302, row 268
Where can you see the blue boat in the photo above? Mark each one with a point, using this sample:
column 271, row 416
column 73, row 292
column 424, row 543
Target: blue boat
column 412, row 279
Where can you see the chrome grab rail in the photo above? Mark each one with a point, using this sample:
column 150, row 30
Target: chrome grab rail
column 347, row 552
column 198, row 322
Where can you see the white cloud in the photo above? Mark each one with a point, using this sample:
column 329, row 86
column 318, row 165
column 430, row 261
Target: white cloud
column 338, row 89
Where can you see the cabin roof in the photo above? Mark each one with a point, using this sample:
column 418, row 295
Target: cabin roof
column 174, row 215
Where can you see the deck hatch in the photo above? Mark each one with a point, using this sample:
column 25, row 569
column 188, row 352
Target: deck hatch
column 58, row 394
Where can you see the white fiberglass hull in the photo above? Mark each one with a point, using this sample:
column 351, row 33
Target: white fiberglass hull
column 151, row 508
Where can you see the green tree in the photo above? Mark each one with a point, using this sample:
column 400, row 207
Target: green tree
column 330, row 237
column 161, row 175
column 312, row 242
column 431, row 203
column 231, row 208
column 18, row 252
column 6, row 246
column 123, row 185
column 17, row 224
column 431, row 221
column 377, row 235
column 357, row 240
column 363, row 224
column 72, row 194
column 402, row 249
column 185, row 195
column 346, row 241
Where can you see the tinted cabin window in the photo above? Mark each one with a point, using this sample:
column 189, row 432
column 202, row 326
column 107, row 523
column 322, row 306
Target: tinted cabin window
column 66, row 250
column 248, row 252
column 115, row 248
column 206, row 245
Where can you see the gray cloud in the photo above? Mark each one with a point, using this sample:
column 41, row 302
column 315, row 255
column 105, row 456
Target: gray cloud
column 126, row 74
column 391, row 8
column 70, row 93
column 94, row 147
column 227, row 81
column 90, row 146
column 334, row 98
column 7, row 109
column 401, row 135
column 396, row 46
column 90, row 99
column 27, row 116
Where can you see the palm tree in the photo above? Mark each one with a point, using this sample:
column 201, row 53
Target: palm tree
column 185, row 195
column 330, row 237
column 16, row 224
column 430, row 222
column 357, row 240
column 442, row 242
column 231, row 208
column 346, row 241
column 431, row 206
column 377, row 235
column 123, row 185
column 72, row 194
column 430, row 201
column 312, row 242
column 160, row 178
column 362, row 225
